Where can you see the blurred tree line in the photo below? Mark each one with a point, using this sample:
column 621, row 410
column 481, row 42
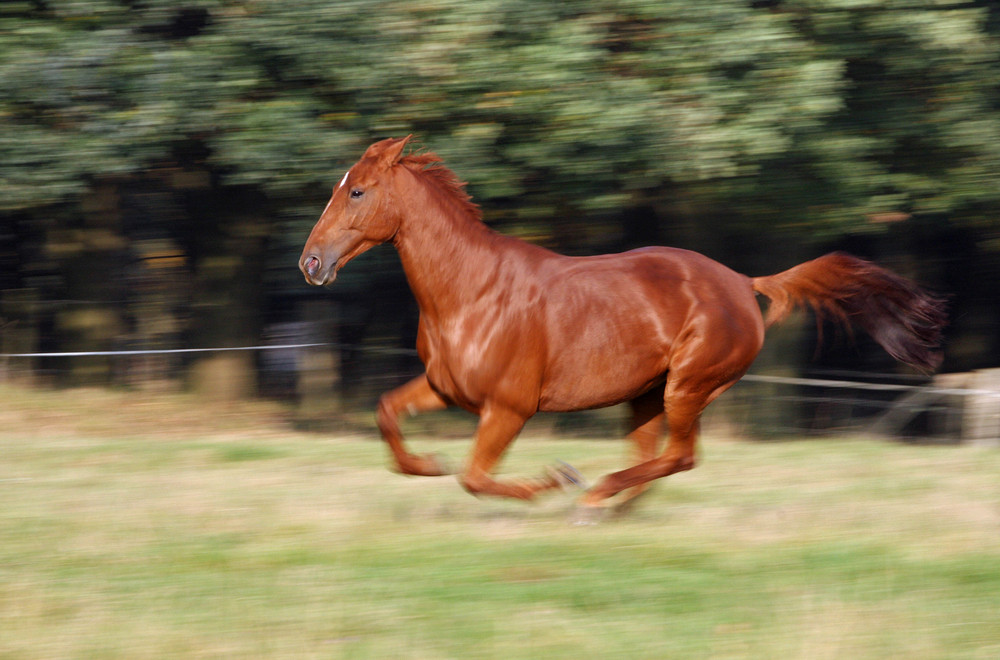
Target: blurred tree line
column 162, row 161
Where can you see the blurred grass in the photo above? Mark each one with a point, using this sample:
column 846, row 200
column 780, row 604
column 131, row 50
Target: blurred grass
column 134, row 526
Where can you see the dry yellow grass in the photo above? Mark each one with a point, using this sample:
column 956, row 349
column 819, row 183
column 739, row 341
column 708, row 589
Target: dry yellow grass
column 141, row 526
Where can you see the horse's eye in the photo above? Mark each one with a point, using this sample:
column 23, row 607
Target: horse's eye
column 357, row 193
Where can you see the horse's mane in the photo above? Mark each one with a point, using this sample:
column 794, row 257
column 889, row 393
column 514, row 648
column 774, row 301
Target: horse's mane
column 430, row 166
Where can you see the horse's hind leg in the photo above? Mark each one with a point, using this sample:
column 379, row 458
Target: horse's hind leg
column 413, row 397
column 497, row 429
column 678, row 456
column 645, row 428
column 687, row 393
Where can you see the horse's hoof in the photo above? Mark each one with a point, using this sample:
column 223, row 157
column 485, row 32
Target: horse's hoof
column 628, row 502
column 584, row 515
column 566, row 475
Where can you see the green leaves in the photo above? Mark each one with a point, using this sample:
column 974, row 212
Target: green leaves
column 855, row 107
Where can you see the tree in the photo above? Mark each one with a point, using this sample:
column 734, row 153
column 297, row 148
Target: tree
column 805, row 119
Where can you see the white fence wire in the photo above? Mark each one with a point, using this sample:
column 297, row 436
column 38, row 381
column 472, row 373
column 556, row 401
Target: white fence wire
column 979, row 408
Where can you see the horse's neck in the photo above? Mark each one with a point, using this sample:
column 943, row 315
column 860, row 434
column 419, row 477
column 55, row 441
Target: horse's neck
column 449, row 257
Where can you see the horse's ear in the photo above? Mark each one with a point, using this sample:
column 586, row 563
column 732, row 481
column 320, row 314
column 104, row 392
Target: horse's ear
column 393, row 151
column 387, row 152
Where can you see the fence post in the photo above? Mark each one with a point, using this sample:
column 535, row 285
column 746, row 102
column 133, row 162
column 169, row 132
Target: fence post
column 981, row 413
column 18, row 327
column 904, row 409
column 318, row 366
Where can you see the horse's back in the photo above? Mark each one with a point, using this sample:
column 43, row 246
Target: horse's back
column 669, row 282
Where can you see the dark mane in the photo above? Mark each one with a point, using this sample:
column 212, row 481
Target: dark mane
column 430, row 166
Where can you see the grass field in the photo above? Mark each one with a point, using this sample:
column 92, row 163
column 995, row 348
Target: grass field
column 134, row 526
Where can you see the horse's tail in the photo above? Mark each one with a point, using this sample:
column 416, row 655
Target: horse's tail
column 905, row 320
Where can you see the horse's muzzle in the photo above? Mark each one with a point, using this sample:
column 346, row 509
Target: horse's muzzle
column 315, row 273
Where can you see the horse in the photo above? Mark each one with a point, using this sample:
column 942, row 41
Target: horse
column 508, row 328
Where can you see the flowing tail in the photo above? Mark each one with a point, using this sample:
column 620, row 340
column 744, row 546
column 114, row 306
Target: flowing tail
column 905, row 320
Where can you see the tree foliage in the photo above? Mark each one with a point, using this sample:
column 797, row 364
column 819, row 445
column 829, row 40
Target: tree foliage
column 811, row 117
column 831, row 109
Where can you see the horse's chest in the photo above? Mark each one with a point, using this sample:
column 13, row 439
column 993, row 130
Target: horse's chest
column 466, row 363
column 447, row 366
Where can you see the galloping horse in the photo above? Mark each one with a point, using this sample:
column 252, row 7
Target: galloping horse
column 508, row 328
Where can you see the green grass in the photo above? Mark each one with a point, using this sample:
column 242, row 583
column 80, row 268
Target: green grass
column 134, row 526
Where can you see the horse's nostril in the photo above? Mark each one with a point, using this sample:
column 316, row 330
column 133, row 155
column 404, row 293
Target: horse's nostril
column 311, row 266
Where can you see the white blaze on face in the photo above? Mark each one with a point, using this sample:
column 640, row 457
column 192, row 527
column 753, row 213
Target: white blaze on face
column 339, row 186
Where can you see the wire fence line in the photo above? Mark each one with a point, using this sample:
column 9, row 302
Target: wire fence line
column 879, row 387
column 952, row 408
column 159, row 351
column 219, row 349
column 753, row 378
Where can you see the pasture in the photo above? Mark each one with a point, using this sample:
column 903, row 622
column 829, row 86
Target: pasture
column 139, row 526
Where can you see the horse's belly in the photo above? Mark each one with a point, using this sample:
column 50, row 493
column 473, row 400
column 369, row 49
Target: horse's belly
column 599, row 379
column 576, row 399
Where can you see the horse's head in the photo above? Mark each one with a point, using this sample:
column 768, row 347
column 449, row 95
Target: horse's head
column 359, row 215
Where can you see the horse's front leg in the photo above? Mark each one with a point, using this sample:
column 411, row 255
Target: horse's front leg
column 498, row 426
column 409, row 399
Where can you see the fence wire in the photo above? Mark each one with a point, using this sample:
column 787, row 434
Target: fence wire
column 382, row 350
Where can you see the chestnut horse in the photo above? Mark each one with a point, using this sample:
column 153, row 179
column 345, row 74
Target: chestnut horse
column 508, row 328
